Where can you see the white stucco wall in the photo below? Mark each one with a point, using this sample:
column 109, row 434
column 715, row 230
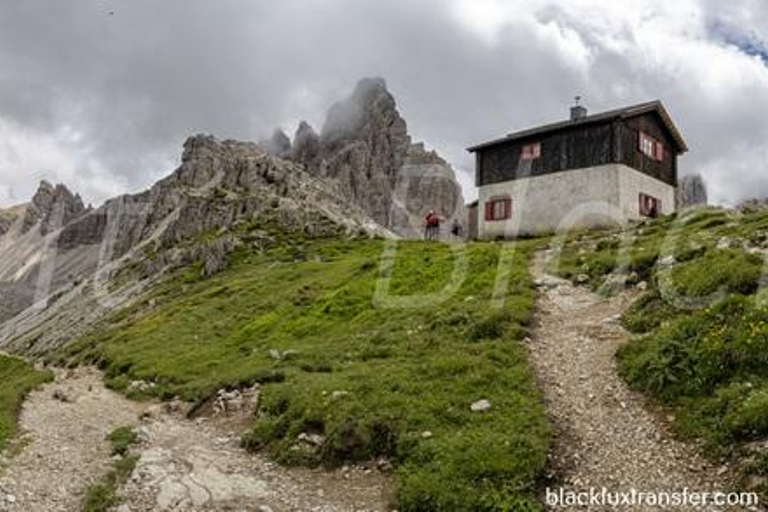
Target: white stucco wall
column 632, row 183
column 591, row 197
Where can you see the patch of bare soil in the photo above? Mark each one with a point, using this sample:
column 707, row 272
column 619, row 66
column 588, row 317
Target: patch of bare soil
column 605, row 435
column 184, row 465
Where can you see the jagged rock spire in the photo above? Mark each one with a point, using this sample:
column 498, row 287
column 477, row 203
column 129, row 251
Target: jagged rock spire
column 366, row 148
column 52, row 207
column 307, row 147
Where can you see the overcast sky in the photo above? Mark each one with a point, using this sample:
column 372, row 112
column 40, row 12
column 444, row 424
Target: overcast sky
column 100, row 94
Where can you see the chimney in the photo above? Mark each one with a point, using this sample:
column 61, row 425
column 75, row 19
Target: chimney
column 578, row 112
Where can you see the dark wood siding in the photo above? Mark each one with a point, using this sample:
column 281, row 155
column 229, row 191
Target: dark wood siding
column 581, row 146
column 629, row 148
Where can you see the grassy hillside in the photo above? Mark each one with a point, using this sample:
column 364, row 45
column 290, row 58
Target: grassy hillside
column 701, row 344
column 371, row 381
column 17, row 378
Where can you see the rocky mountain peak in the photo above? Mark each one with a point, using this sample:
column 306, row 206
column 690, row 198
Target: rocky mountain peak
column 52, row 207
column 370, row 110
column 365, row 147
column 307, row 147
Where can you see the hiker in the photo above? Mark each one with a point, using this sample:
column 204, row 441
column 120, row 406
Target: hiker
column 456, row 228
column 432, row 226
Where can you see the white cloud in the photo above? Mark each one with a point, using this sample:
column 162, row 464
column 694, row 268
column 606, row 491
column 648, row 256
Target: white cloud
column 28, row 156
column 104, row 102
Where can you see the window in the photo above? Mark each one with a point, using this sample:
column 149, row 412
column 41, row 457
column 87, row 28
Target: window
column 650, row 206
column 651, row 147
column 498, row 208
column 531, row 152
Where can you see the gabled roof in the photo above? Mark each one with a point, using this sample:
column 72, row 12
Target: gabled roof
column 621, row 113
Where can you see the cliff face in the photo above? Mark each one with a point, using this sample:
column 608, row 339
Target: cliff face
column 364, row 146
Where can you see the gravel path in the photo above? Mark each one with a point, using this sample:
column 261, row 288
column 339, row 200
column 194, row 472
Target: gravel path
column 62, row 449
column 605, row 437
column 199, row 466
column 185, row 465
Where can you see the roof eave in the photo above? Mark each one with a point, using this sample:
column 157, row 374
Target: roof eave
column 656, row 106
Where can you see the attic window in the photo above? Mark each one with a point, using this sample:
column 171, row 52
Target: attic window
column 531, row 151
column 498, row 208
column 651, row 147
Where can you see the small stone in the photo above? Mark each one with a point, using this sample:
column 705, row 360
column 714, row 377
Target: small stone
column 275, row 354
column 582, row 278
column 724, row 243
column 426, row 434
column 61, row 396
column 339, row 394
column 290, row 354
column 10, row 498
column 312, row 439
column 667, row 261
column 481, row 406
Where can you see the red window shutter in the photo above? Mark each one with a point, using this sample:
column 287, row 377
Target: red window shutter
column 489, row 210
column 531, row 151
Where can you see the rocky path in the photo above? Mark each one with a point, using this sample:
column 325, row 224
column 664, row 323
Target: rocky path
column 185, row 465
column 62, row 448
column 605, row 437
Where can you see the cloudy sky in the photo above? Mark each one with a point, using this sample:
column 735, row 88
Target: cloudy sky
column 100, row 94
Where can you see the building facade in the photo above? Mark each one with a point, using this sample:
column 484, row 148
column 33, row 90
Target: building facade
column 589, row 171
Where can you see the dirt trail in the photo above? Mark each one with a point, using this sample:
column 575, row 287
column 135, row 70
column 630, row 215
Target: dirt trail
column 62, row 447
column 605, row 437
column 185, row 465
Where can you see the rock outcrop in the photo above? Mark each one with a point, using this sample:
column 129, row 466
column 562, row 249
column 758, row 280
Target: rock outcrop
column 364, row 146
column 218, row 184
column 52, row 207
column 691, row 191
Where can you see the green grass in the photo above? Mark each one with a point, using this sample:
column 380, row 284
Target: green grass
column 701, row 344
column 371, row 380
column 122, row 439
column 17, row 379
column 103, row 496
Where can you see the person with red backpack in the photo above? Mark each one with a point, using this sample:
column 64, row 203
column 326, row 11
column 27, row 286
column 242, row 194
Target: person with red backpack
column 432, row 226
